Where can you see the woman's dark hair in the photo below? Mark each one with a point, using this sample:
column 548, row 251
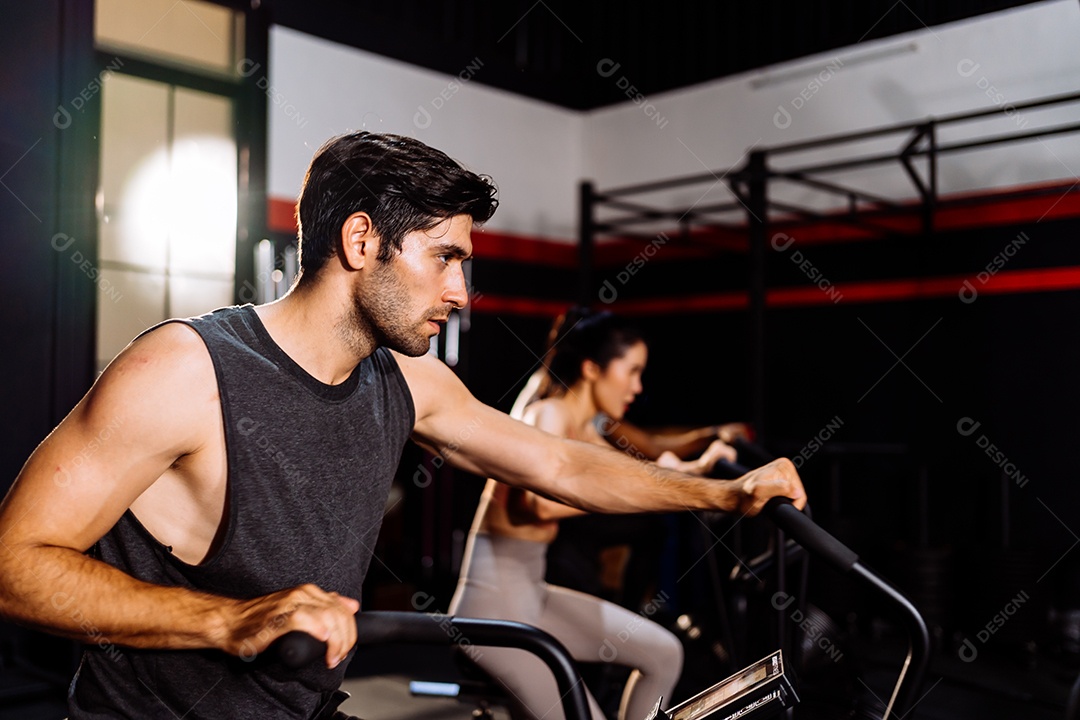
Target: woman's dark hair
column 578, row 335
column 403, row 184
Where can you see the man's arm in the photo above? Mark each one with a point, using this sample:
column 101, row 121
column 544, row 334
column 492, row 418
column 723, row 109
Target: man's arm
column 484, row 441
column 526, row 506
column 146, row 413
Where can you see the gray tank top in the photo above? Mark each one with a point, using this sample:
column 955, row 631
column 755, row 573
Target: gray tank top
column 309, row 470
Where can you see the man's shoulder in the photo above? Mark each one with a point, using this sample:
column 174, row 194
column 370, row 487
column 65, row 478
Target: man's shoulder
column 161, row 389
column 434, row 387
column 173, row 354
column 175, row 340
column 423, row 369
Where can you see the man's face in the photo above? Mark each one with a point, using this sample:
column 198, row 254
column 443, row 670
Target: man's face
column 404, row 300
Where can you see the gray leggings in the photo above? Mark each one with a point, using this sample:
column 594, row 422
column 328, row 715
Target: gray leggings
column 503, row 579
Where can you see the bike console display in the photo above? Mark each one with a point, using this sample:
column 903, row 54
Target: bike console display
column 755, row 692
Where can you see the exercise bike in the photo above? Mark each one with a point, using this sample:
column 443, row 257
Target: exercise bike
column 296, row 649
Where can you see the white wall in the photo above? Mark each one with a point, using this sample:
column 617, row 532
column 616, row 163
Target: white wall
column 318, row 89
column 993, row 61
column 537, row 152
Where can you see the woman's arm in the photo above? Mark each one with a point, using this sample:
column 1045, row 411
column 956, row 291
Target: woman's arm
column 717, row 450
column 683, row 444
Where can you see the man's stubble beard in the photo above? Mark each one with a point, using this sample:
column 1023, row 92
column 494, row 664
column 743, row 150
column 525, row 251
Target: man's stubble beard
column 379, row 315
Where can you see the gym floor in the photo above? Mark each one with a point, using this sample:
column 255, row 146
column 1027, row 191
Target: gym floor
column 999, row 687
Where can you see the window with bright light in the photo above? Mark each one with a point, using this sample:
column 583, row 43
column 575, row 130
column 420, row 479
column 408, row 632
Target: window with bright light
column 167, row 197
column 188, row 33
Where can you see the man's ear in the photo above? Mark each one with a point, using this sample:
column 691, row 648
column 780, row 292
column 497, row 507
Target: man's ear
column 359, row 242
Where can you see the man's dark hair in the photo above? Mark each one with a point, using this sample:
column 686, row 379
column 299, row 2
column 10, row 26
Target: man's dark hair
column 403, row 184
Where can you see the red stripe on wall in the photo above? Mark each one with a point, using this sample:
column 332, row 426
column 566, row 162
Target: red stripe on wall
column 529, row 307
column 714, row 302
column 1006, row 282
column 494, row 245
column 281, row 215
column 487, row 244
column 1056, row 200
column 1046, row 201
column 1015, row 281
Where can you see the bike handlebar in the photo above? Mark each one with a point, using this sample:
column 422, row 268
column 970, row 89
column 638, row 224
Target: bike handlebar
column 783, row 513
column 809, row 534
column 296, row 649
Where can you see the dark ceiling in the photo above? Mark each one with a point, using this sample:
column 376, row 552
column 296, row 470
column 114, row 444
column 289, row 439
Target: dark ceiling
column 550, row 49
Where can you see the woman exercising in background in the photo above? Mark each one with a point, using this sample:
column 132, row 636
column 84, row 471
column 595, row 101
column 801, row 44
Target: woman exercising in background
column 638, row 442
column 595, row 368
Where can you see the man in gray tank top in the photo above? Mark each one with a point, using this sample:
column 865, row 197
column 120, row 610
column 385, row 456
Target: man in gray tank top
column 222, row 482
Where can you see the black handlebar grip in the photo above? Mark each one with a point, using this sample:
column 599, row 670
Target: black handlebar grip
column 749, row 450
column 729, row 469
column 376, row 628
column 810, row 535
column 296, row 649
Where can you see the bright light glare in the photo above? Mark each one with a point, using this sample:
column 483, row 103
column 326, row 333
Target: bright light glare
column 186, row 207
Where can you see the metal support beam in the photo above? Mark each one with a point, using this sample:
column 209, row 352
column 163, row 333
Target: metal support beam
column 586, row 241
column 757, row 208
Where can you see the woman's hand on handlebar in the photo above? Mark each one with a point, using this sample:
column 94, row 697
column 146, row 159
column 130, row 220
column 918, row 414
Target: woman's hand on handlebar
column 703, row 465
column 252, row 625
column 730, row 432
column 717, row 450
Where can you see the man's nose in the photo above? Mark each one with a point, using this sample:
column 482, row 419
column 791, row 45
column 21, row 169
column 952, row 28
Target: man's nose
column 456, row 291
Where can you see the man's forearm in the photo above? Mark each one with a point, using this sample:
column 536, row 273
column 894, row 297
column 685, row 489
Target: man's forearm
column 598, row 480
column 64, row 592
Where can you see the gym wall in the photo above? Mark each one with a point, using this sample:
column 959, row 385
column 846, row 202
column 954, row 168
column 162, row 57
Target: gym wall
column 1003, row 361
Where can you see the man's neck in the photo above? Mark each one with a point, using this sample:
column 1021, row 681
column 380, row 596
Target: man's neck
column 314, row 326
